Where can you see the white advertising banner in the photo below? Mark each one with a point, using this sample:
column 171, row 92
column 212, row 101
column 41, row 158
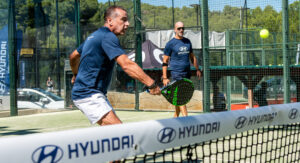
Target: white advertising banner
column 162, row 37
column 102, row 144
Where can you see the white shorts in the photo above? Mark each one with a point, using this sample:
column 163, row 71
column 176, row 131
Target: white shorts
column 94, row 107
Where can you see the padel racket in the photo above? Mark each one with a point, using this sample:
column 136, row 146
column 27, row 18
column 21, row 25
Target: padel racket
column 178, row 92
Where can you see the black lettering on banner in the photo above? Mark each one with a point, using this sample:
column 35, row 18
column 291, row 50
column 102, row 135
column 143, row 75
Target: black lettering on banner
column 75, row 150
column 208, row 128
column 132, row 141
column 293, row 114
column 202, row 129
column 93, row 147
column 252, row 120
column 103, row 146
column 181, row 133
column 84, row 147
column 189, row 130
column 97, row 148
column 115, row 143
column 214, row 127
column 125, row 141
column 195, row 130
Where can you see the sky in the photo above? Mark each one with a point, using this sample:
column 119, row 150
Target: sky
column 217, row 5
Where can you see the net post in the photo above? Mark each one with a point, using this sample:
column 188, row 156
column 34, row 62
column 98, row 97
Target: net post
column 206, row 72
column 228, row 82
column 12, row 58
column 138, row 47
column 285, row 50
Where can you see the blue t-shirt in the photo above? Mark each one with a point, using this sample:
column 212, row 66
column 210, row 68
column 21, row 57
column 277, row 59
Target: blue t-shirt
column 179, row 52
column 79, row 49
column 96, row 63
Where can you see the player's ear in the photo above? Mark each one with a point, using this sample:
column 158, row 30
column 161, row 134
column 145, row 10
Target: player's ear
column 109, row 21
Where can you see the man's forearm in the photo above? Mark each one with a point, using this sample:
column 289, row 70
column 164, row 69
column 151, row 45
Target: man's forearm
column 74, row 61
column 165, row 69
column 136, row 72
column 195, row 63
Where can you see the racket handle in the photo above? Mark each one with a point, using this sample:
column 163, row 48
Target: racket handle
column 148, row 91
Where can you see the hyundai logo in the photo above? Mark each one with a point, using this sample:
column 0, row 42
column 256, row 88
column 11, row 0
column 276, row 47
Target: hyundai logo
column 293, row 114
column 50, row 153
column 166, row 135
column 240, row 122
column 183, row 49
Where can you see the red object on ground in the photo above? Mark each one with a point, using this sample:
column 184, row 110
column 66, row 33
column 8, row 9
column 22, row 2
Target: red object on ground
column 241, row 106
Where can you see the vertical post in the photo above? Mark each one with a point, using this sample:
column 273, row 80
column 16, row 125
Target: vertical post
column 263, row 57
column 173, row 16
column 274, row 46
column 138, row 47
column 228, row 78
column 197, row 8
column 12, row 58
column 206, row 66
column 197, row 12
column 77, row 21
column 57, row 51
column 285, row 50
column 154, row 14
column 37, row 25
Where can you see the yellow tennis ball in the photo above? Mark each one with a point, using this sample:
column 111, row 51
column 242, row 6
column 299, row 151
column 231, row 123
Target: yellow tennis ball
column 264, row 33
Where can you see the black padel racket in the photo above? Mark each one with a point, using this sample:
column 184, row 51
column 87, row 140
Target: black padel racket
column 178, row 92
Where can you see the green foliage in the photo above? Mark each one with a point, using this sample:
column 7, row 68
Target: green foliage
column 3, row 13
column 153, row 17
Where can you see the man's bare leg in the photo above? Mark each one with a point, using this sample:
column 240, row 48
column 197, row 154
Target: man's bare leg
column 183, row 110
column 177, row 112
column 109, row 119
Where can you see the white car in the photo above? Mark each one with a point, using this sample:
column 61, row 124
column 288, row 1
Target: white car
column 36, row 98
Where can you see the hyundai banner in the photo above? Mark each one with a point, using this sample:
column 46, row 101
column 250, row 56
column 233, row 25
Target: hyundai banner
column 4, row 65
column 106, row 143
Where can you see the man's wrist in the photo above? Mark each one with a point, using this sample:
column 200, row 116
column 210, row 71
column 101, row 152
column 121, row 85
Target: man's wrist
column 154, row 85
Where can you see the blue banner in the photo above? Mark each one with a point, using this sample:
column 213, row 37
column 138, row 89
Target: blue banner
column 22, row 74
column 4, row 61
column 19, row 43
column 4, row 58
column 21, row 65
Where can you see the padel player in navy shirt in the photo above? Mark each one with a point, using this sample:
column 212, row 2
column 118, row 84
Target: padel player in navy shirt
column 178, row 53
column 100, row 52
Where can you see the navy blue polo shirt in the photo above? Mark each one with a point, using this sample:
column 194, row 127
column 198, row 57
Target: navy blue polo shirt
column 96, row 63
column 80, row 47
column 179, row 52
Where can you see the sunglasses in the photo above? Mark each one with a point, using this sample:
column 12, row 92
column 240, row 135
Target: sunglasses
column 179, row 28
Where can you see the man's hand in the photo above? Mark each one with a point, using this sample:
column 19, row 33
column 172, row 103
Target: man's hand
column 166, row 81
column 198, row 73
column 155, row 91
column 73, row 79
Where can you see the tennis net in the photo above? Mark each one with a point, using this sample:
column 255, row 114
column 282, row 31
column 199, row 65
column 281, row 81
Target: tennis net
column 267, row 144
column 264, row 134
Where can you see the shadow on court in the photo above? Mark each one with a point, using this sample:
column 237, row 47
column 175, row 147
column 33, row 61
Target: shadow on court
column 5, row 131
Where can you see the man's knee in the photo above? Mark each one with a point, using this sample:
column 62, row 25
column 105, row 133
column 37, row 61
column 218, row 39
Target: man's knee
column 109, row 119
